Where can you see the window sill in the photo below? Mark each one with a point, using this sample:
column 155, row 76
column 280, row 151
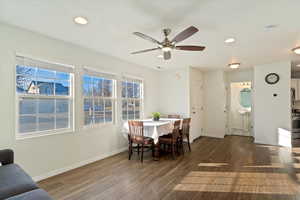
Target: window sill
column 43, row 133
column 123, row 120
column 92, row 126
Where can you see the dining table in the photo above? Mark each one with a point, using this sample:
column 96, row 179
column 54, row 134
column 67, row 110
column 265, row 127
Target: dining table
column 154, row 129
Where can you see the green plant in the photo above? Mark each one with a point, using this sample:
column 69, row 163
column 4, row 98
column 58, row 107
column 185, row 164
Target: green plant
column 156, row 115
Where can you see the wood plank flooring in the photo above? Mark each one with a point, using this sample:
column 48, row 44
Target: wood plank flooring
column 230, row 168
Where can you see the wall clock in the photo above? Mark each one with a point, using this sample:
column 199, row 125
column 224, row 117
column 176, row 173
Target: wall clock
column 272, row 78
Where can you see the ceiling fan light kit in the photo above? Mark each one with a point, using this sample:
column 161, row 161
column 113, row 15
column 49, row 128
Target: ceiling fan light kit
column 166, row 46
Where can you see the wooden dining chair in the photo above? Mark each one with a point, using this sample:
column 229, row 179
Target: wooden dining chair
column 185, row 132
column 172, row 139
column 136, row 136
column 174, row 116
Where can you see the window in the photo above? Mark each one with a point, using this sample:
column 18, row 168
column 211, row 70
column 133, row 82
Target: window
column 99, row 98
column 132, row 96
column 44, row 97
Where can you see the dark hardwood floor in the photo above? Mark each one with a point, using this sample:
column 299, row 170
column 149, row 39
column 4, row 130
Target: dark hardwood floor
column 230, row 168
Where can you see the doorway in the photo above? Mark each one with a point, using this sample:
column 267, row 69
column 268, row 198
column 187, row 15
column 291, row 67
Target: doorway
column 240, row 109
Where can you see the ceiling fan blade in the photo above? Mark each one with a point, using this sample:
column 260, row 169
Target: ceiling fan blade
column 146, row 50
column 185, row 34
column 190, row 48
column 146, row 37
column 167, row 55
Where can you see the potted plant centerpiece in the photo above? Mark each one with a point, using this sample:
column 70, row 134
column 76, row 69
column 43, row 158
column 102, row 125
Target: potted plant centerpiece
column 156, row 116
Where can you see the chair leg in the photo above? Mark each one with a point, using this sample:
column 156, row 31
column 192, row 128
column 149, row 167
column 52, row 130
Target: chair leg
column 129, row 150
column 142, row 153
column 188, row 139
column 173, row 151
column 182, row 147
column 153, row 149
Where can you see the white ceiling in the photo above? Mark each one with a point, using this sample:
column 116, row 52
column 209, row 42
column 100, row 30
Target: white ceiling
column 111, row 24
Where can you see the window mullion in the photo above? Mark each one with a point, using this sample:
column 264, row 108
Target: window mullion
column 37, row 115
column 45, row 97
column 133, row 109
column 126, row 99
column 93, row 102
column 54, row 94
column 103, row 100
column 55, row 114
column 133, row 89
column 104, row 109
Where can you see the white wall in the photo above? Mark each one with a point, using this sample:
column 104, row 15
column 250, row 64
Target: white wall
column 239, row 76
column 45, row 155
column 174, row 92
column 214, row 104
column 271, row 112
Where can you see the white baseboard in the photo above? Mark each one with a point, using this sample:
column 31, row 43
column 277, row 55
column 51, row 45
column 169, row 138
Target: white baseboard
column 77, row 165
column 260, row 142
column 212, row 135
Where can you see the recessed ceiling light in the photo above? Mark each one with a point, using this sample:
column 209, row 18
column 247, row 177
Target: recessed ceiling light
column 296, row 50
column 234, row 65
column 229, row 40
column 271, row 26
column 160, row 56
column 81, row 20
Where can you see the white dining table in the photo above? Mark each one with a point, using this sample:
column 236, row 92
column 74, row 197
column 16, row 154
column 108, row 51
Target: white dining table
column 153, row 129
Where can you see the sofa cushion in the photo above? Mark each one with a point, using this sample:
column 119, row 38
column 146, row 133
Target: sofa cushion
column 37, row 194
column 14, row 181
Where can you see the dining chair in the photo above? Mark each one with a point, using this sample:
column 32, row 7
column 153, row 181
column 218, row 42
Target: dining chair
column 185, row 132
column 174, row 116
column 172, row 139
column 136, row 136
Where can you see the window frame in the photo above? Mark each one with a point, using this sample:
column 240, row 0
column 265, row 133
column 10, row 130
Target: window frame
column 132, row 79
column 19, row 97
column 114, row 98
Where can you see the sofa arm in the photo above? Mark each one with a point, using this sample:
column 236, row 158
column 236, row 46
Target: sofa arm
column 6, row 156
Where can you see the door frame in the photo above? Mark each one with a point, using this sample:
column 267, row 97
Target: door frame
column 228, row 107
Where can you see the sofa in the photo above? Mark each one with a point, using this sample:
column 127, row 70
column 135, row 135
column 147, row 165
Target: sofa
column 15, row 183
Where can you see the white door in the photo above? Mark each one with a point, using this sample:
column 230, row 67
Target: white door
column 196, row 100
column 215, row 104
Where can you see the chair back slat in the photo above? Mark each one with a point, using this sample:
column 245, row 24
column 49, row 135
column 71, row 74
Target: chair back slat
column 174, row 116
column 186, row 126
column 176, row 130
column 136, row 130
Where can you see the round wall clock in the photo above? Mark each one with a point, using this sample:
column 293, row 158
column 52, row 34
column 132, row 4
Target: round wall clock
column 272, row 78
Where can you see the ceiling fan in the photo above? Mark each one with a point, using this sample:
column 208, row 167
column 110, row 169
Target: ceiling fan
column 167, row 45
